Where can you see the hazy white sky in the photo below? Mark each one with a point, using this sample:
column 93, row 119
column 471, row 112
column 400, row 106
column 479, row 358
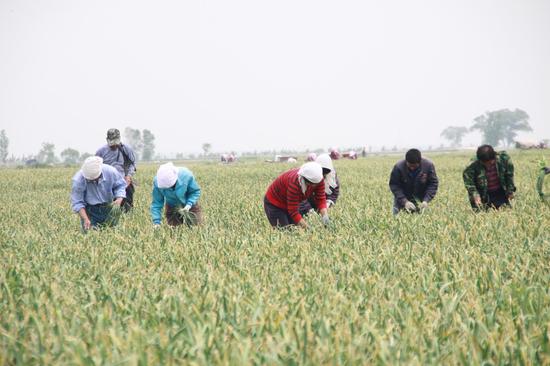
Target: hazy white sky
column 247, row 75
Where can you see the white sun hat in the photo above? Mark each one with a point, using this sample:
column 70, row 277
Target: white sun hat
column 91, row 169
column 311, row 171
column 167, row 175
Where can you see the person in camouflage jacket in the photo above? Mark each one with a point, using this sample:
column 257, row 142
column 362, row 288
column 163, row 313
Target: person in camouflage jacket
column 489, row 179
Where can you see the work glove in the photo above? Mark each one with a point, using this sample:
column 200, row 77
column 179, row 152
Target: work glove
column 311, row 211
column 156, row 226
column 423, row 205
column 330, row 203
column 409, row 206
column 326, row 220
column 187, row 208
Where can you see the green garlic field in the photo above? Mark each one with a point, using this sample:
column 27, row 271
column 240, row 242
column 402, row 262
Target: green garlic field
column 445, row 287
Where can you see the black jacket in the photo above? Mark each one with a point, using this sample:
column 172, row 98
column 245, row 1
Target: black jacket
column 421, row 188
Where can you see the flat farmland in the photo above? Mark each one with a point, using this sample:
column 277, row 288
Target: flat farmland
column 447, row 286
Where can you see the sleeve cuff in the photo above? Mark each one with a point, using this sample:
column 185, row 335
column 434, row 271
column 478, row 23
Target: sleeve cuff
column 78, row 208
column 296, row 218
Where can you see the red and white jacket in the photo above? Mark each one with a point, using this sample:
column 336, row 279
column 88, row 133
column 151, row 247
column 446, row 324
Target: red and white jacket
column 286, row 193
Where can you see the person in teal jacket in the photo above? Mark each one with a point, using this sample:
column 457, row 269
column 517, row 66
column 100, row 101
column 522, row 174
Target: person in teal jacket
column 176, row 190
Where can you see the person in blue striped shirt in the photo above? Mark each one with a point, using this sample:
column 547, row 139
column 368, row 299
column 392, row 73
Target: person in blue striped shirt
column 96, row 189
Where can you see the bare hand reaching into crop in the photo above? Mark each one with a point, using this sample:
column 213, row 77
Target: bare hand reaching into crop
column 118, row 201
column 86, row 223
column 302, row 223
column 477, row 201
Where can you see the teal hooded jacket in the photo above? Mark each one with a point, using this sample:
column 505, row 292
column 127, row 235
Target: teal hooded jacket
column 186, row 192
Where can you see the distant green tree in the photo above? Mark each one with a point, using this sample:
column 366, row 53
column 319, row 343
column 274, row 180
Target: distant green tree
column 454, row 134
column 4, row 144
column 501, row 125
column 148, row 145
column 84, row 156
column 46, row 155
column 70, row 156
column 133, row 138
column 206, row 148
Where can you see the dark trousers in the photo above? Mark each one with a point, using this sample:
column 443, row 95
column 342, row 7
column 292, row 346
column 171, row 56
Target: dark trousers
column 307, row 205
column 174, row 218
column 128, row 202
column 277, row 217
column 100, row 215
column 495, row 200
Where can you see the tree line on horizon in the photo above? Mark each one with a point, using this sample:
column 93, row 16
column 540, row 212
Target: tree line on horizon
column 500, row 126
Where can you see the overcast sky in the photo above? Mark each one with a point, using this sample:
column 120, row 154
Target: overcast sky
column 246, row 75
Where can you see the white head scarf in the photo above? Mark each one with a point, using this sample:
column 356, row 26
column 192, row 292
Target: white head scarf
column 330, row 180
column 91, row 169
column 167, row 175
column 311, row 171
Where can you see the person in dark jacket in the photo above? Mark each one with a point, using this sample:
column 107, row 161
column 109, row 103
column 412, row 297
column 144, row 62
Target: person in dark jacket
column 489, row 179
column 413, row 182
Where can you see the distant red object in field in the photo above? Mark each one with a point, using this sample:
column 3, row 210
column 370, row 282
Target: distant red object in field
column 334, row 153
column 350, row 155
column 311, row 157
column 228, row 158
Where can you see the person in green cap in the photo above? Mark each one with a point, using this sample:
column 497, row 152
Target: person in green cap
column 489, row 179
column 123, row 159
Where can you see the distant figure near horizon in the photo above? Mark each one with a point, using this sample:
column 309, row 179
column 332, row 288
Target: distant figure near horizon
column 175, row 190
column 283, row 196
column 334, row 153
column 413, row 182
column 228, row 158
column 123, row 159
column 352, row 155
column 97, row 188
column 311, row 156
column 489, row 179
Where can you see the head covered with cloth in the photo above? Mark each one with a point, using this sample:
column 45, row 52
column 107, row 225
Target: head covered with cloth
column 283, row 196
column 176, row 190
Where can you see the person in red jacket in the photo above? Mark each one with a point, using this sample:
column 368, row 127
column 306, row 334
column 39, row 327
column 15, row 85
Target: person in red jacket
column 283, row 197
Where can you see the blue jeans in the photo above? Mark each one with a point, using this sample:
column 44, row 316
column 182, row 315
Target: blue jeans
column 99, row 215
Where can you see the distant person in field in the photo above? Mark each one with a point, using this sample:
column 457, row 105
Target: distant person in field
column 332, row 186
column 489, row 179
column 175, row 190
column 413, row 182
column 122, row 158
column 283, row 196
column 97, row 189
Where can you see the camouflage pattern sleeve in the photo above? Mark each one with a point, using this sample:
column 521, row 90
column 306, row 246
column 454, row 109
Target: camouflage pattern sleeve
column 509, row 175
column 469, row 180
